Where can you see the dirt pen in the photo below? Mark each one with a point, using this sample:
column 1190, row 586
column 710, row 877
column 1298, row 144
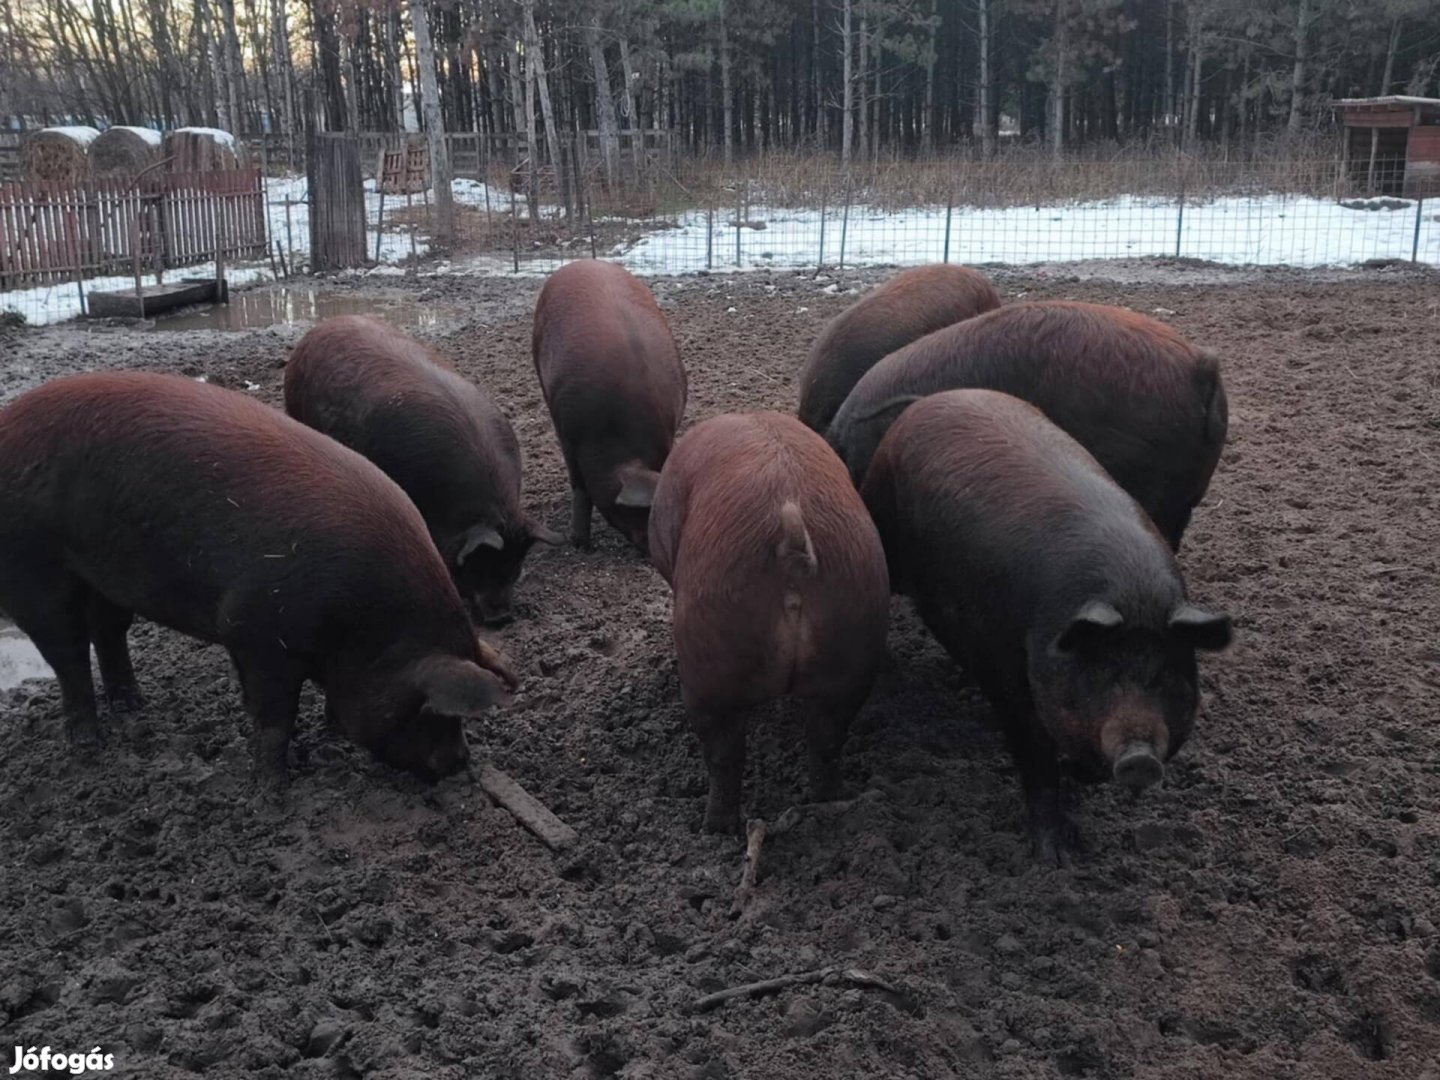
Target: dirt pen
column 1269, row 913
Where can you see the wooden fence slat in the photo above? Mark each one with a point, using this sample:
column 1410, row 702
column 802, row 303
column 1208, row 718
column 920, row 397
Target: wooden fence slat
column 50, row 232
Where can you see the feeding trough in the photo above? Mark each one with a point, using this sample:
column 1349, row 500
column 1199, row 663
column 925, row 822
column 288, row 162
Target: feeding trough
column 150, row 300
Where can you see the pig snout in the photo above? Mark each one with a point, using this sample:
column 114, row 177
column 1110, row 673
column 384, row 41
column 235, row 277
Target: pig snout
column 494, row 609
column 1137, row 765
column 447, row 756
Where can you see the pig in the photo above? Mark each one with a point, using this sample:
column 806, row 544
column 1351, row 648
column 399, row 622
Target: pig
column 615, row 388
column 779, row 589
column 910, row 305
column 203, row 510
column 1149, row 405
column 440, row 437
column 1050, row 585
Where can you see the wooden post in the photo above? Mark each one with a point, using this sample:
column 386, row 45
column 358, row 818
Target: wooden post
column 337, row 203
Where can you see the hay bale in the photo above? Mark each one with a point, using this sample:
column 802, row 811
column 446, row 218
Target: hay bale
column 124, row 151
column 198, row 149
column 59, row 153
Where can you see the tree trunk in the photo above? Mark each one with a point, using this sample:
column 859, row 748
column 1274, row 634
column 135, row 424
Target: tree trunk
column 817, row 82
column 1197, row 63
column 862, row 120
column 932, row 58
column 434, row 126
column 727, row 96
column 1302, row 59
column 1169, row 100
column 984, row 108
column 535, row 55
column 627, row 94
column 604, row 101
column 234, row 67
column 1057, row 85
column 847, row 46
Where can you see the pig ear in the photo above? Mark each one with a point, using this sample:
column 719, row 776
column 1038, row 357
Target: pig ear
column 1090, row 623
column 543, row 534
column 639, row 489
column 476, row 537
column 454, row 687
column 1201, row 629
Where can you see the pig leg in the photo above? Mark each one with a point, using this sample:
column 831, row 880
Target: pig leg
column 722, row 741
column 1053, row 834
column 271, row 685
column 52, row 614
column 827, row 723
column 108, row 626
column 580, row 513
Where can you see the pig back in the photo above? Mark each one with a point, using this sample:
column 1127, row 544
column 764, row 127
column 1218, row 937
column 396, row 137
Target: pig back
column 903, row 309
column 755, row 602
column 996, row 521
column 211, row 513
column 1146, row 403
column 607, row 362
column 393, row 399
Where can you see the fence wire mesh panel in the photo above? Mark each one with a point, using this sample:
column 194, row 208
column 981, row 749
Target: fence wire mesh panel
column 659, row 215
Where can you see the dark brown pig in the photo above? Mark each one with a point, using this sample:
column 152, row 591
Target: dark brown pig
column 615, row 388
column 198, row 508
column 780, row 591
column 441, row 438
column 1049, row 584
column 910, row 305
column 1149, row 405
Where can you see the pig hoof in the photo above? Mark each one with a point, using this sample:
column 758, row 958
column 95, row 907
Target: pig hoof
column 722, row 824
column 581, row 543
column 83, row 733
column 124, row 699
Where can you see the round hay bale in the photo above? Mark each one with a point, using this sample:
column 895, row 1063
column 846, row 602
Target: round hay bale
column 124, row 151
column 198, row 149
column 59, row 153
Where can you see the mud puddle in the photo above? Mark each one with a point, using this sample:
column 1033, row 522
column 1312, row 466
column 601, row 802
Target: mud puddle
column 19, row 659
column 288, row 304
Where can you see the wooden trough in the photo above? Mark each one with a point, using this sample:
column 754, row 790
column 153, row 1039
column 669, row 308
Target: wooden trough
column 59, row 154
column 154, row 300
column 196, row 149
column 124, row 151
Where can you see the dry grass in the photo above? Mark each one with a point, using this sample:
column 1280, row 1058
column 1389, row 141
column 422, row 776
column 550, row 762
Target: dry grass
column 53, row 155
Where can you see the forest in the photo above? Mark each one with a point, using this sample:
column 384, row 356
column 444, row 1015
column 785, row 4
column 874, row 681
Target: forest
column 863, row 79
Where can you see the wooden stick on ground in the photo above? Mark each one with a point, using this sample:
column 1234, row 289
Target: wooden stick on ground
column 527, row 809
column 853, row 976
column 754, row 837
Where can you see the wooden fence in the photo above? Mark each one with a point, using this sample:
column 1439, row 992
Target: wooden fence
column 56, row 232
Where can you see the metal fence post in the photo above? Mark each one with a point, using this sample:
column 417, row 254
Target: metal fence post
column 1419, row 215
column 1180, row 219
column 845, row 224
column 739, row 218
column 820, row 262
column 709, row 238
column 949, row 213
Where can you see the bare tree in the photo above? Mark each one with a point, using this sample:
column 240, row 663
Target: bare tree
column 434, row 125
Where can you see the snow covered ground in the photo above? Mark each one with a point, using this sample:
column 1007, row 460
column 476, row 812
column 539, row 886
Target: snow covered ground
column 1268, row 230
column 1263, row 231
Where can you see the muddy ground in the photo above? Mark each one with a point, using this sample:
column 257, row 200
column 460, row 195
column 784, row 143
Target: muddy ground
column 1270, row 912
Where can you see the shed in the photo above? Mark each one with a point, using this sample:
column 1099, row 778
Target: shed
column 1392, row 144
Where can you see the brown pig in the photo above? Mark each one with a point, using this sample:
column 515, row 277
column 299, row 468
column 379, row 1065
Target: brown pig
column 905, row 308
column 615, row 388
column 125, row 494
column 388, row 396
column 780, row 590
column 1148, row 404
column 1050, row 585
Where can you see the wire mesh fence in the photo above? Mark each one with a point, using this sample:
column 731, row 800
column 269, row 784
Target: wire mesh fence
column 810, row 214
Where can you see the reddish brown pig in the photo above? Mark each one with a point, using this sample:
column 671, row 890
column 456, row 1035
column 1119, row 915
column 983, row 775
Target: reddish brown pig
column 441, row 438
column 198, row 508
column 910, row 305
column 1149, row 405
column 615, row 388
column 1050, row 585
column 780, row 590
